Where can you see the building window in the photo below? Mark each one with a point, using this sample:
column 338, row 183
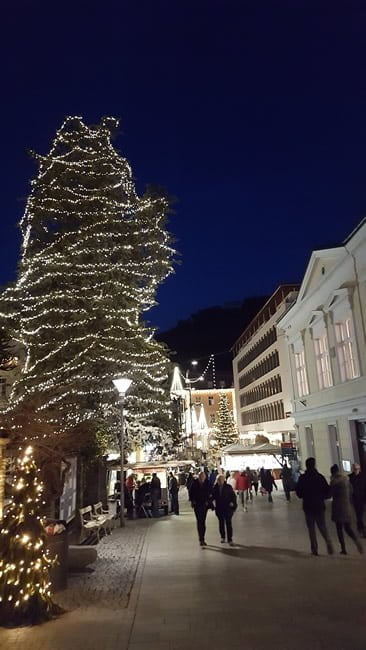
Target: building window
column 322, row 360
column 198, row 399
column 302, row 381
column 346, row 350
column 210, row 400
column 2, row 387
column 212, row 418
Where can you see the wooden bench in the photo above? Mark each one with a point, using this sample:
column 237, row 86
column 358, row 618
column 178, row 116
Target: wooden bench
column 89, row 523
column 103, row 516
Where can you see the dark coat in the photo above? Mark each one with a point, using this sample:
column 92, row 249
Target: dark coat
column 225, row 499
column 358, row 484
column 200, row 494
column 155, row 487
column 341, row 504
column 268, row 481
column 313, row 489
column 286, row 476
column 173, row 485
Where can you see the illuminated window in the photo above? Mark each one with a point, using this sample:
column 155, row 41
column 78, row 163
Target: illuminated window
column 346, row 350
column 210, row 400
column 302, row 381
column 322, row 360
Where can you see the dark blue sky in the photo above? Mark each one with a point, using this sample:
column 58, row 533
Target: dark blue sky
column 253, row 114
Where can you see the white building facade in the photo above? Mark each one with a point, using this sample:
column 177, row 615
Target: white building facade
column 326, row 343
column 261, row 374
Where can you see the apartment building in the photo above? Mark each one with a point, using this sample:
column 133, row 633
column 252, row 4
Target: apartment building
column 326, row 338
column 261, row 373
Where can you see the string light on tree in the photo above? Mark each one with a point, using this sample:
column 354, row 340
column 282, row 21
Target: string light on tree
column 93, row 256
column 25, row 588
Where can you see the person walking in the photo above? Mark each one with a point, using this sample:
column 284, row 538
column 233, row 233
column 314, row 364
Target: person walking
column 286, row 476
column 173, row 491
column 358, row 483
column 155, row 494
column 241, row 487
column 255, row 481
column 200, row 498
column 268, row 483
column 313, row 489
column 225, row 505
column 212, row 477
column 231, row 480
column 189, row 481
column 262, row 473
column 341, row 508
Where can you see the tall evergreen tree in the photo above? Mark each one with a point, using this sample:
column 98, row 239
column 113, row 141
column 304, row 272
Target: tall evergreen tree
column 93, row 255
column 226, row 428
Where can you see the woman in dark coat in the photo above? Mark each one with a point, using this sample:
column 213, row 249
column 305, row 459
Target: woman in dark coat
column 341, row 508
column 268, row 482
column 225, row 505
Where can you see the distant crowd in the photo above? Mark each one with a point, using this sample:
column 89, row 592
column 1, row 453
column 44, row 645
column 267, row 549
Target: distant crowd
column 221, row 492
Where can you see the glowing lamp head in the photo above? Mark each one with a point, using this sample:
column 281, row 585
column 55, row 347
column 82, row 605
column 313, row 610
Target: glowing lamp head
column 122, row 384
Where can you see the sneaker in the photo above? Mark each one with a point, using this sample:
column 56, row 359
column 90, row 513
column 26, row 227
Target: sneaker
column 223, row 540
column 343, row 552
column 315, row 553
column 231, row 543
column 203, row 543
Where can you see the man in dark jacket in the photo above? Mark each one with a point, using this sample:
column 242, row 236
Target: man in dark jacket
column 286, row 476
column 173, row 491
column 225, row 506
column 200, row 498
column 358, row 482
column 155, row 494
column 313, row 489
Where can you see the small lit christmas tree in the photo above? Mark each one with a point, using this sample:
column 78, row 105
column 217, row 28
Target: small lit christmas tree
column 226, row 428
column 25, row 596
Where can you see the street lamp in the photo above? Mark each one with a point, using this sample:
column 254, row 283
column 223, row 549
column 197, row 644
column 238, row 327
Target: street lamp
column 122, row 385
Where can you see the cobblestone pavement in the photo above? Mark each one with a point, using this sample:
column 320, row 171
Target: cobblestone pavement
column 96, row 601
column 266, row 592
column 109, row 582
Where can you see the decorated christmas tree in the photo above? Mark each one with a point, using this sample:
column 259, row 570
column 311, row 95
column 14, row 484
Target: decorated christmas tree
column 25, row 595
column 93, row 255
column 226, row 428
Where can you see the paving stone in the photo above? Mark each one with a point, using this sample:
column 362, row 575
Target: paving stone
column 154, row 588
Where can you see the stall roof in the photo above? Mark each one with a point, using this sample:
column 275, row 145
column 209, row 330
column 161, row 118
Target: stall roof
column 264, row 448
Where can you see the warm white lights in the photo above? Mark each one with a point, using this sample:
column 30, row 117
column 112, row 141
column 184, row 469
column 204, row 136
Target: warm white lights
column 93, row 256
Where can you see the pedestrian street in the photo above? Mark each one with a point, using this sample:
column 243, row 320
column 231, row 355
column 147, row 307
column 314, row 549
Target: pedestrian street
column 265, row 592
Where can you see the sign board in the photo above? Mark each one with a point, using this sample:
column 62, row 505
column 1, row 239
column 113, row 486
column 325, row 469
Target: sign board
column 288, row 450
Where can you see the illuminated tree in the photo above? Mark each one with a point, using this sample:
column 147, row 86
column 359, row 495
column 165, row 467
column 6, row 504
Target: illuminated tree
column 226, row 428
column 93, row 255
column 25, row 595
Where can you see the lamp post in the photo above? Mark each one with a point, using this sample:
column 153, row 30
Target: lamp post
column 188, row 381
column 4, row 440
column 122, row 385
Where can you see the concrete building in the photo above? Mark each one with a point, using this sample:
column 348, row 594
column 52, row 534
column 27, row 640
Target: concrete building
column 325, row 334
column 261, row 374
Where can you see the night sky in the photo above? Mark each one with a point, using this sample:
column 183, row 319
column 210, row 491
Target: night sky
column 253, row 114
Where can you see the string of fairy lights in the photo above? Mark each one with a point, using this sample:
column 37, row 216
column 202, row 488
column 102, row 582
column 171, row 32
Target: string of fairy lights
column 93, row 255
